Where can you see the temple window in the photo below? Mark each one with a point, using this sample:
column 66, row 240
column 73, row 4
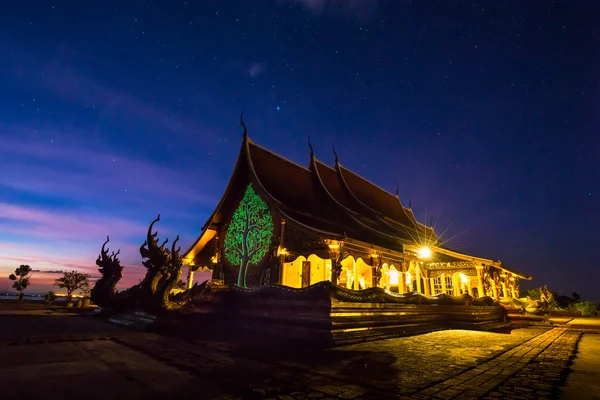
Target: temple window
column 449, row 285
column 437, row 285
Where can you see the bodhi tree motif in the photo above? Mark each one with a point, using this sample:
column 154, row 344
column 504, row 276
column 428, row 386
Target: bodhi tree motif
column 249, row 234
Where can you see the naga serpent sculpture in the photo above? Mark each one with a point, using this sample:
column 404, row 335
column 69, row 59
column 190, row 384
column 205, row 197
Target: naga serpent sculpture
column 153, row 293
column 527, row 305
column 103, row 293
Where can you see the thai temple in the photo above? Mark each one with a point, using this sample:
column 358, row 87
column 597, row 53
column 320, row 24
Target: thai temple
column 282, row 223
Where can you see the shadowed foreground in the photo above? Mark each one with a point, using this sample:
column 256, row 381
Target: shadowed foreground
column 66, row 354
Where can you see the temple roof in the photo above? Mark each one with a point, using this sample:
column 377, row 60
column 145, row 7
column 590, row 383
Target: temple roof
column 375, row 198
column 303, row 197
column 335, row 186
column 330, row 201
column 334, row 200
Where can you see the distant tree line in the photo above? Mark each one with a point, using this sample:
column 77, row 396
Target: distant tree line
column 71, row 281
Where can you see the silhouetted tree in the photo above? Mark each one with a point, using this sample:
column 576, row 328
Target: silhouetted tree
column 72, row 281
column 21, row 279
column 576, row 296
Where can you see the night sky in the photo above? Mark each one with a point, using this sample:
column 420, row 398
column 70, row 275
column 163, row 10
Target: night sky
column 486, row 114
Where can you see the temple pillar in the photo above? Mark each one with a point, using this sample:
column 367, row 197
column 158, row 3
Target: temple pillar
column 455, row 286
column 355, row 285
column 512, row 291
column 418, row 278
column 504, row 292
column 432, row 286
column 459, row 285
column 374, row 280
column 480, row 292
column 349, row 281
column 190, row 277
column 427, row 286
column 282, row 257
column 494, row 289
column 443, row 279
column 401, row 282
column 470, row 286
column 334, row 268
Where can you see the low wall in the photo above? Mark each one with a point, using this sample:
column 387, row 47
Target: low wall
column 315, row 315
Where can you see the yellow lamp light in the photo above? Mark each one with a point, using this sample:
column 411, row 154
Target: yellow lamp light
column 424, row 252
column 463, row 278
column 334, row 245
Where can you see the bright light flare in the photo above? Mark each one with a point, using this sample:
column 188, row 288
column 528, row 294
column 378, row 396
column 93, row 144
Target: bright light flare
column 393, row 276
column 424, row 252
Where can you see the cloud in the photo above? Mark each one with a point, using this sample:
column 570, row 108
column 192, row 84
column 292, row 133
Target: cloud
column 60, row 169
column 41, row 271
column 361, row 9
column 40, row 223
column 257, row 69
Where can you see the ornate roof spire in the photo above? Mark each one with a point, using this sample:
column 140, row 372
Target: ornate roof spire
column 312, row 153
column 397, row 190
column 245, row 134
column 410, row 202
column 336, row 156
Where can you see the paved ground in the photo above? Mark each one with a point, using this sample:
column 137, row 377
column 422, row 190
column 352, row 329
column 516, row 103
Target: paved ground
column 65, row 352
column 586, row 367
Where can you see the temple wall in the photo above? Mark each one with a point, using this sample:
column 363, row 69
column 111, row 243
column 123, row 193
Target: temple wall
column 328, row 322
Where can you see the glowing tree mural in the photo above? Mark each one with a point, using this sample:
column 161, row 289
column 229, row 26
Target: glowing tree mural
column 248, row 236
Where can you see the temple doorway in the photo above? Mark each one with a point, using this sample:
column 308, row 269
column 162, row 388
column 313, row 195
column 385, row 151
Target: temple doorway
column 303, row 272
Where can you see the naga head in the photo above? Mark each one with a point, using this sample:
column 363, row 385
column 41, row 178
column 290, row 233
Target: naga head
column 104, row 251
column 175, row 258
column 162, row 246
column 151, row 237
column 103, row 259
column 116, row 267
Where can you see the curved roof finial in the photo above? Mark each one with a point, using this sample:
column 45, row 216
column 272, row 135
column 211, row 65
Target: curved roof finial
column 409, row 202
column 245, row 134
column 335, row 153
column 312, row 153
column 397, row 189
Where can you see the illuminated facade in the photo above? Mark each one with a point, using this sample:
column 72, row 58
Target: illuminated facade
column 282, row 223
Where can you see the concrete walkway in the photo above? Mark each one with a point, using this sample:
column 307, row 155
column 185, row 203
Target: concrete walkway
column 584, row 380
column 585, row 322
